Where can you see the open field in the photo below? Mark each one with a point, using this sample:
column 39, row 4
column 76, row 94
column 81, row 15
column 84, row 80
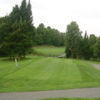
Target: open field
column 50, row 50
column 73, row 99
column 41, row 73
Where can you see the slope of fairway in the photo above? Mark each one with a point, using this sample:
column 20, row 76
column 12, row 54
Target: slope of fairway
column 50, row 50
column 41, row 73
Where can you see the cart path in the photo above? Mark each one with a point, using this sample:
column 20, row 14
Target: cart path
column 71, row 93
column 97, row 66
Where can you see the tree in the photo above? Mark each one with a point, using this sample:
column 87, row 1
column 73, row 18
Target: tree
column 18, row 32
column 29, row 14
column 23, row 10
column 73, row 38
column 92, row 42
column 4, row 36
column 97, row 48
column 86, row 47
column 40, row 34
column 62, row 39
column 47, row 36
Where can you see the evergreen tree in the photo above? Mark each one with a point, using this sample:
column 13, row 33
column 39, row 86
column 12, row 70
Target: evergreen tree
column 19, row 31
column 4, row 36
column 86, row 47
column 29, row 14
column 97, row 48
column 23, row 10
column 40, row 34
column 92, row 42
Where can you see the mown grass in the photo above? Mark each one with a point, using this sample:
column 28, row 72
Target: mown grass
column 73, row 99
column 50, row 50
column 42, row 73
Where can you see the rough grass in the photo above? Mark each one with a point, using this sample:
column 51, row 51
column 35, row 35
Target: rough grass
column 50, row 50
column 41, row 73
column 73, row 99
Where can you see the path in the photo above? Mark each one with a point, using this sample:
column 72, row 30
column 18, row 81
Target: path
column 61, row 56
column 97, row 66
column 71, row 93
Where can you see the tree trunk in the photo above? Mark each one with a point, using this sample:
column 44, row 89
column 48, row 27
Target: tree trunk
column 19, row 57
column 77, row 56
column 72, row 53
column 24, row 54
column 10, row 55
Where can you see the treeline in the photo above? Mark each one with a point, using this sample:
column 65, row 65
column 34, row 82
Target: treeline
column 18, row 34
column 81, row 47
column 49, row 36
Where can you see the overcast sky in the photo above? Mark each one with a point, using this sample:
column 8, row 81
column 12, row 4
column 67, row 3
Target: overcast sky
column 59, row 13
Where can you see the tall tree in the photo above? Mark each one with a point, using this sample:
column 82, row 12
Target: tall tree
column 86, row 47
column 29, row 14
column 19, row 30
column 97, row 48
column 4, row 35
column 92, row 42
column 40, row 34
column 23, row 10
column 73, row 37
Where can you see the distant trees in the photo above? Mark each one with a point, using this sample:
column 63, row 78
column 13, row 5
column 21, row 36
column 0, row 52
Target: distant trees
column 78, row 46
column 49, row 36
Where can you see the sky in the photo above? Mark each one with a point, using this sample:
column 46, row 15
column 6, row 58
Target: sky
column 59, row 13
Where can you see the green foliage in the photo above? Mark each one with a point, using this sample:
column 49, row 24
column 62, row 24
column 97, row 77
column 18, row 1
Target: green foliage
column 49, row 36
column 92, row 42
column 81, row 47
column 97, row 48
column 40, row 32
column 73, row 40
column 40, row 73
column 86, row 47
column 17, row 31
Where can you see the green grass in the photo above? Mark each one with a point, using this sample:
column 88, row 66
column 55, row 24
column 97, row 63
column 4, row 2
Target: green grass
column 50, row 50
column 41, row 73
column 73, row 99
